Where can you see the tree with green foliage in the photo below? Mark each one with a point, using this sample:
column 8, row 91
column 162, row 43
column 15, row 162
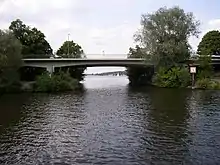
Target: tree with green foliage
column 70, row 49
column 34, row 45
column 209, row 45
column 33, row 40
column 136, row 52
column 164, row 36
column 10, row 61
column 138, row 75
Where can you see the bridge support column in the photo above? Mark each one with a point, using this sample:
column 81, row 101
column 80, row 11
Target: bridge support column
column 50, row 69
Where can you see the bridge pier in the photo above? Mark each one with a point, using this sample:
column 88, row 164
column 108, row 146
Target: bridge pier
column 50, row 69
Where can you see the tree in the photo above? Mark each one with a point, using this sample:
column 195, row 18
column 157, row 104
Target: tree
column 138, row 75
column 164, row 36
column 70, row 49
column 34, row 45
column 136, row 52
column 33, row 41
column 210, row 44
column 10, row 59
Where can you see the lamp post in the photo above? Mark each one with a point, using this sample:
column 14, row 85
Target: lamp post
column 68, row 45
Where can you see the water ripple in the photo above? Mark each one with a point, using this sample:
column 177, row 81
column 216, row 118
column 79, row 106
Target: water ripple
column 114, row 125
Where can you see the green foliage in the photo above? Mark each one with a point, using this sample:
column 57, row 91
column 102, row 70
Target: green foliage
column 139, row 75
column 55, row 83
column 75, row 72
column 203, row 83
column 210, row 43
column 10, row 61
column 164, row 36
column 205, row 67
column 214, row 85
column 34, row 45
column 33, row 41
column 206, row 83
column 173, row 78
column 136, row 52
column 70, row 49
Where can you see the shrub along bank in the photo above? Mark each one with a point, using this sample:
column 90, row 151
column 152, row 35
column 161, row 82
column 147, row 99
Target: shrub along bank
column 61, row 81
column 175, row 77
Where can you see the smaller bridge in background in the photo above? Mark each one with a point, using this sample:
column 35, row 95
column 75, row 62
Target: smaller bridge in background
column 114, row 73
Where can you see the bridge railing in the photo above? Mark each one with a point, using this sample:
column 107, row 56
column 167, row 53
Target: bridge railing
column 213, row 57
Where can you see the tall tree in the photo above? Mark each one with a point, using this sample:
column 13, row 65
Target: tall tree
column 70, row 49
column 33, row 40
column 164, row 35
column 34, row 45
column 10, row 58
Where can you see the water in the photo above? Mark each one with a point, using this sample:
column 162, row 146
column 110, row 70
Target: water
column 110, row 123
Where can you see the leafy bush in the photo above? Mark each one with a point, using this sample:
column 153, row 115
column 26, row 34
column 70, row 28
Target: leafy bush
column 55, row 83
column 214, row 85
column 206, row 83
column 202, row 83
column 205, row 70
column 175, row 77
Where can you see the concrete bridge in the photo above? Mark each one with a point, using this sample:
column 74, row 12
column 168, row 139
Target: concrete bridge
column 51, row 63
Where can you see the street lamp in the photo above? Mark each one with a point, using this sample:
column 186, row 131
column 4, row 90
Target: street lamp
column 68, row 45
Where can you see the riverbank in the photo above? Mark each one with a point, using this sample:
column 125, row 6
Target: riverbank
column 30, row 86
column 44, row 83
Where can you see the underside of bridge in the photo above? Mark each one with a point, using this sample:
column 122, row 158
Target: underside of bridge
column 137, row 75
column 140, row 75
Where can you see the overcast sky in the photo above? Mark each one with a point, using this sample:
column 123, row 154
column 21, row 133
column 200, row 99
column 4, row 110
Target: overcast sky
column 100, row 25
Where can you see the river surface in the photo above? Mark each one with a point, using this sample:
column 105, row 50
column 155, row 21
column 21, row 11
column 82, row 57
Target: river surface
column 110, row 123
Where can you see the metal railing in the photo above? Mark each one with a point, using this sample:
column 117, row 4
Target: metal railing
column 212, row 56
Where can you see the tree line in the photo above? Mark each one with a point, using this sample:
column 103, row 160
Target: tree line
column 21, row 41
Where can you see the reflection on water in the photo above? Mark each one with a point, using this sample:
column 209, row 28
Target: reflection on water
column 110, row 123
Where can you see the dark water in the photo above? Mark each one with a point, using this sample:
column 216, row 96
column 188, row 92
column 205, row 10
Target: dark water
column 110, row 123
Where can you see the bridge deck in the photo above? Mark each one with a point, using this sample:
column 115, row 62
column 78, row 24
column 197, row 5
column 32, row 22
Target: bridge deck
column 82, row 59
column 64, row 62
